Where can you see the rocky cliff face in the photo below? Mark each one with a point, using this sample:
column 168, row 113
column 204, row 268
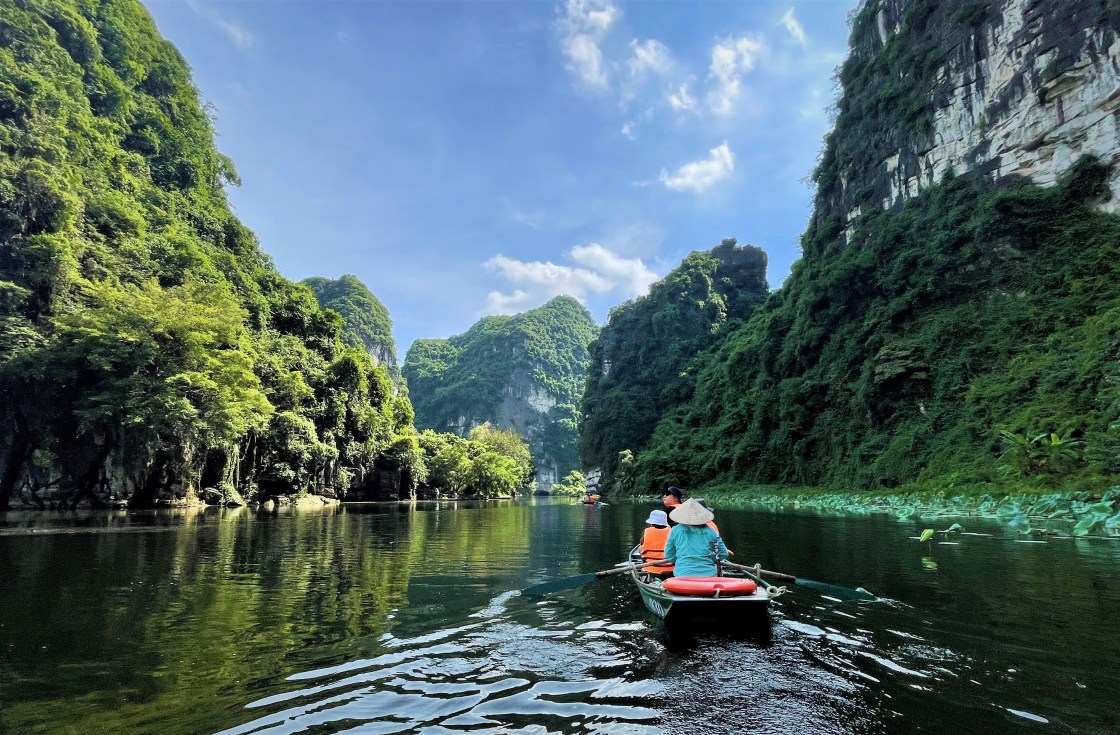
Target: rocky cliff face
column 522, row 372
column 1002, row 88
column 640, row 363
column 954, row 312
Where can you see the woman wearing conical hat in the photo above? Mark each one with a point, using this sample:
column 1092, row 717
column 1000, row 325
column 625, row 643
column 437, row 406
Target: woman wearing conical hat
column 693, row 546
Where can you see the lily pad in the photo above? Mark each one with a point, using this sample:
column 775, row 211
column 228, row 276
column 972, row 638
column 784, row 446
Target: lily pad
column 1089, row 523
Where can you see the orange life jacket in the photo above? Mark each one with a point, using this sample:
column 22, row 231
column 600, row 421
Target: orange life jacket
column 653, row 548
column 712, row 525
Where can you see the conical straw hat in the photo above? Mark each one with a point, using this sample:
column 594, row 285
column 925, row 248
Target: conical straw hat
column 691, row 513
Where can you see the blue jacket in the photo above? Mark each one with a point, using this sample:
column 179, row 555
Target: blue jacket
column 692, row 549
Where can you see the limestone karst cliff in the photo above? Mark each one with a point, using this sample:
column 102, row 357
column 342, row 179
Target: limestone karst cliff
column 1003, row 88
column 522, row 372
column 952, row 322
column 640, row 362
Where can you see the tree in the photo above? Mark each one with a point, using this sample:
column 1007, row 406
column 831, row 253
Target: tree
column 508, row 443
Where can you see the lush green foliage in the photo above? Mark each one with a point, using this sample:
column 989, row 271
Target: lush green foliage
column 147, row 346
column 507, row 443
column 965, row 339
column 642, row 363
column 493, row 371
column 1069, row 513
column 572, row 483
column 966, row 312
column 492, row 463
column 366, row 320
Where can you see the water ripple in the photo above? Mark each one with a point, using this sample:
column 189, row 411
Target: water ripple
column 468, row 677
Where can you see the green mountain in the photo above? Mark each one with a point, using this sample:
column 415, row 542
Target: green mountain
column 955, row 318
column 366, row 322
column 522, row 372
column 149, row 351
column 641, row 362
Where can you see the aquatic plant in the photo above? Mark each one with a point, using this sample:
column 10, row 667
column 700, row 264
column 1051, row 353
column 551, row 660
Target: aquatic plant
column 1075, row 513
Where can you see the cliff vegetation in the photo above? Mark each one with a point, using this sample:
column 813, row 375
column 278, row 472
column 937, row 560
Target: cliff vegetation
column 523, row 372
column 965, row 340
column 149, row 350
column 642, row 362
column 366, row 322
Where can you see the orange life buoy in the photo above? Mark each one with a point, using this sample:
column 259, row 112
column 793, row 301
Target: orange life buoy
column 710, row 586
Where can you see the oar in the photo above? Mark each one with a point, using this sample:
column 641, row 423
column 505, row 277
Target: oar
column 844, row 593
column 570, row 583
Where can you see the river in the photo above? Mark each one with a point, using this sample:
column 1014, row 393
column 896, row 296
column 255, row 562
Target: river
column 407, row 619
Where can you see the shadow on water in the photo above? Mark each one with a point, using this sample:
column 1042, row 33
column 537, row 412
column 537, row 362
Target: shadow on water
column 683, row 637
column 407, row 619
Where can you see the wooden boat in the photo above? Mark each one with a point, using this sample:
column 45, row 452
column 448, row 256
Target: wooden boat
column 679, row 608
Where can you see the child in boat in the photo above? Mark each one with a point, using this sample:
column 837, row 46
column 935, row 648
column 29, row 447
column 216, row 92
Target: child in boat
column 653, row 543
column 692, row 545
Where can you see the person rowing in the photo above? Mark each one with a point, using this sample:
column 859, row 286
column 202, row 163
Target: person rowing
column 693, row 547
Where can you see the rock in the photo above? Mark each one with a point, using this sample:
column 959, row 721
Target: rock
column 1024, row 93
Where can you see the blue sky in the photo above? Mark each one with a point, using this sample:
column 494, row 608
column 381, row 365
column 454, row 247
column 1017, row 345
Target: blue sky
column 473, row 158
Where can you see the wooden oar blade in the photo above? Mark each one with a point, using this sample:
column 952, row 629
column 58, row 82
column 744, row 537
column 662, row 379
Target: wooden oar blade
column 844, row 593
column 558, row 585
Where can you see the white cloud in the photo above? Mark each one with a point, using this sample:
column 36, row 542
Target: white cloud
column 630, row 276
column 628, row 131
column 794, row 27
column 585, row 60
column 241, row 36
column 649, row 56
column 699, row 176
column 511, row 303
column 682, row 100
column 581, row 27
column 731, row 60
column 597, row 270
column 591, row 15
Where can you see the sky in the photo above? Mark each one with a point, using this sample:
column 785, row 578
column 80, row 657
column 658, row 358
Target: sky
column 474, row 158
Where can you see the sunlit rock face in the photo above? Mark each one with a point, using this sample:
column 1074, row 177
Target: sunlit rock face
column 1021, row 88
column 523, row 372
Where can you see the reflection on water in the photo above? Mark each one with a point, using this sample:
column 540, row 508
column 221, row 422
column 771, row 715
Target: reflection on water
column 406, row 619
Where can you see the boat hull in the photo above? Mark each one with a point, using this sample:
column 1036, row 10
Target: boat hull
column 680, row 608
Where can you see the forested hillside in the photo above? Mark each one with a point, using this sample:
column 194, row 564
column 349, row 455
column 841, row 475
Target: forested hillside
column 957, row 330
column 641, row 362
column 366, row 322
column 522, row 372
column 148, row 349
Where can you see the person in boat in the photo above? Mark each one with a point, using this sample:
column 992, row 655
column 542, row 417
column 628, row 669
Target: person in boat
column 712, row 524
column 692, row 546
column 653, row 543
column 672, row 497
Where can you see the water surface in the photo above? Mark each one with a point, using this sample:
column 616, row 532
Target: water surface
column 406, row 619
